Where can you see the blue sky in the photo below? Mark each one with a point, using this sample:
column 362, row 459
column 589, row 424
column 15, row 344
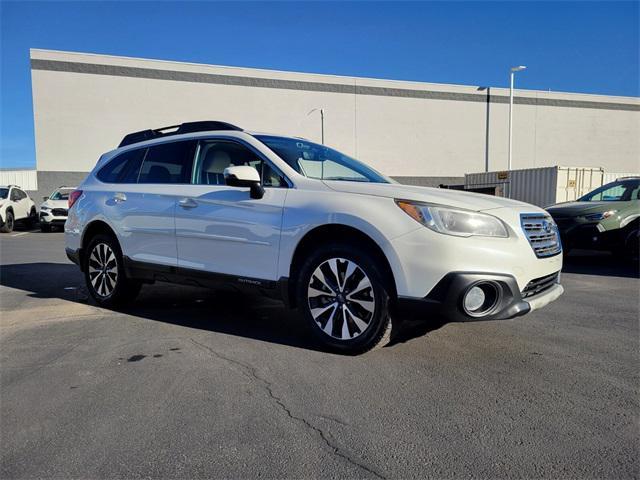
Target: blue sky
column 589, row 47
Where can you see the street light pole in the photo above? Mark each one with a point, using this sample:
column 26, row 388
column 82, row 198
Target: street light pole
column 321, row 122
column 512, row 75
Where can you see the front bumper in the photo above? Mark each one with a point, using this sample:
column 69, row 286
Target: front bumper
column 46, row 217
column 446, row 299
column 590, row 236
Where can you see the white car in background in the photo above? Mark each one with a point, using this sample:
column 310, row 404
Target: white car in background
column 15, row 206
column 206, row 203
column 53, row 211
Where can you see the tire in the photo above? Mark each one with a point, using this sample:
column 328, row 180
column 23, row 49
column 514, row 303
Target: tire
column 33, row 218
column 632, row 245
column 104, row 273
column 45, row 227
column 9, row 222
column 362, row 302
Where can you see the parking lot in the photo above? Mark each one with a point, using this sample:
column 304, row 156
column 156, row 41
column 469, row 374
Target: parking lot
column 189, row 383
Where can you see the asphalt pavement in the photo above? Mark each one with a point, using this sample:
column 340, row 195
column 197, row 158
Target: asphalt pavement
column 189, row 383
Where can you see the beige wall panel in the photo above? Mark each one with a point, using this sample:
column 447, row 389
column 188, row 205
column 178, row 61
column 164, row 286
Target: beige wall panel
column 79, row 116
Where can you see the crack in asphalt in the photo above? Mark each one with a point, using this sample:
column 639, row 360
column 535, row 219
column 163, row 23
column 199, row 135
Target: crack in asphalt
column 251, row 372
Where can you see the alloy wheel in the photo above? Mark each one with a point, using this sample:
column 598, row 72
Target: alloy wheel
column 103, row 269
column 341, row 298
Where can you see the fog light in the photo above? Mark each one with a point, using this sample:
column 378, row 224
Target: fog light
column 481, row 299
column 474, row 299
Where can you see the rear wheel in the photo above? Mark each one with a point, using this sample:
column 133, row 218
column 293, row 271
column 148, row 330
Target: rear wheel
column 7, row 227
column 104, row 273
column 344, row 299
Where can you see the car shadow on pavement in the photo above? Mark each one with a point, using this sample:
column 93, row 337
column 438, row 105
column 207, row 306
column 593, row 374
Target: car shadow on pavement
column 585, row 262
column 230, row 313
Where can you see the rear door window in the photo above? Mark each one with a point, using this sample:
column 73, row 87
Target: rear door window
column 168, row 163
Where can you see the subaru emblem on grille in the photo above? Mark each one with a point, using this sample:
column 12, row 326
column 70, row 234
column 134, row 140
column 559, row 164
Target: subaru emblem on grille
column 542, row 234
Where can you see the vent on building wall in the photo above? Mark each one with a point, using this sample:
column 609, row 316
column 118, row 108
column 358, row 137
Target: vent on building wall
column 188, row 127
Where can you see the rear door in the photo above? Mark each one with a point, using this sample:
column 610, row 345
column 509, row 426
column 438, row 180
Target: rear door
column 222, row 229
column 142, row 202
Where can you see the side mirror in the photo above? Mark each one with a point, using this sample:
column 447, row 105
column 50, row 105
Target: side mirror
column 45, row 198
column 244, row 176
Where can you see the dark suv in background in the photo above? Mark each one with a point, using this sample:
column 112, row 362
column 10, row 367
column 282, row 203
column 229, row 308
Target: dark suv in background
column 604, row 219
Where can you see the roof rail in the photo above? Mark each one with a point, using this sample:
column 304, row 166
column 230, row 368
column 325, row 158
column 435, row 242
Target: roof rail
column 188, row 127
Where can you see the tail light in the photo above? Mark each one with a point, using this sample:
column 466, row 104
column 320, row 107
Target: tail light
column 74, row 196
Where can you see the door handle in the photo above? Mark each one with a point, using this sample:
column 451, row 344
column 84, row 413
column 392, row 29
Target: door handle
column 187, row 203
column 119, row 197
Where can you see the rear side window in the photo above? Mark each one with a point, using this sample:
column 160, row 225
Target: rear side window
column 17, row 195
column 168, row 163
column 124, row 168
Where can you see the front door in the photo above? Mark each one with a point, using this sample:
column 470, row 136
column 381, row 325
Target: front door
column 221, row 229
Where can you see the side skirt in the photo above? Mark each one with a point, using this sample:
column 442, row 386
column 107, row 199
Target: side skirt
column 151, row 272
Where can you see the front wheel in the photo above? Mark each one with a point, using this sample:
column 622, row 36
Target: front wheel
column 632, row 244
column 8, row 223
column 33, row 218
column 344, row 299
column 104, row 273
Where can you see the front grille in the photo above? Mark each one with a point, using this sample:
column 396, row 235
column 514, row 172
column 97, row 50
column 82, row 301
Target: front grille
column 59, row 212
column 542, row 233
column 539, row 285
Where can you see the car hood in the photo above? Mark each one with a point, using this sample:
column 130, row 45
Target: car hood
column 441, row 196
column 55, row 204
column 572, row 209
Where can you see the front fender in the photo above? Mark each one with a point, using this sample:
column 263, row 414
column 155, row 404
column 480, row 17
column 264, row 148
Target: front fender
column 378, row 218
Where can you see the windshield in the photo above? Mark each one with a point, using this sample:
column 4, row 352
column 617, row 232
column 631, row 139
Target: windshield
column 4, row 192
column 619, row 191
column 60, row 195
column 317, row 161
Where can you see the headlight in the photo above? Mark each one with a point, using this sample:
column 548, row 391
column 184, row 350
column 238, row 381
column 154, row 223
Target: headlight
column 462, row 223
column 596, row 217
column 45, row 208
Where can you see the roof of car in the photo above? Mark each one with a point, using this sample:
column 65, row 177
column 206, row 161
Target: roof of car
column 187, row 127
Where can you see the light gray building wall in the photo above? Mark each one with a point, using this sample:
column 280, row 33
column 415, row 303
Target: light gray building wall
column 424, row 133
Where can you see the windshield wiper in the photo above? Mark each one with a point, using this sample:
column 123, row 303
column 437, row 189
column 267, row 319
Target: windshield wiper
column 347, row 179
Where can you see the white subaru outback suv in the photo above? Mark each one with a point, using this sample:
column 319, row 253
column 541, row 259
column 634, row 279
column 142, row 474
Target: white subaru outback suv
column 206, row 203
